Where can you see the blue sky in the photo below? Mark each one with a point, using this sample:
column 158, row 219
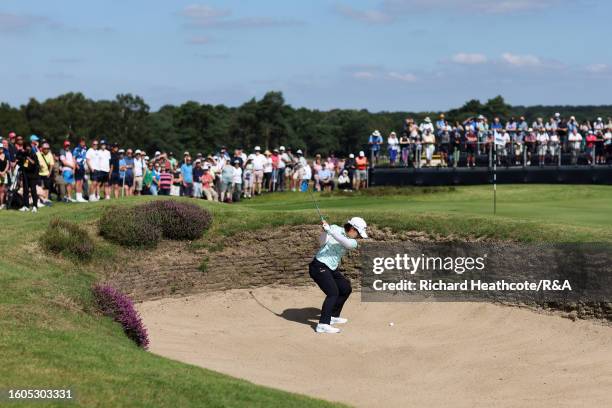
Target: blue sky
column 374, row 54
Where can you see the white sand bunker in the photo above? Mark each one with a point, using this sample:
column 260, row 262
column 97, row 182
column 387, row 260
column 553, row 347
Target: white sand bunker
column 435, row 354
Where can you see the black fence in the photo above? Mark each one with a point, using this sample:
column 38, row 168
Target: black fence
column 444, row 176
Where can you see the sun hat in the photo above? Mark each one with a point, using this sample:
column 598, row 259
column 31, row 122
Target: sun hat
column 361, row 153
column 282, row 148
column 427, row 119
column 257, row 148
column 360, row 225
column 299, row 151
column 121, row 150
column 376, row 133
column 137, row 151
column 146, row 157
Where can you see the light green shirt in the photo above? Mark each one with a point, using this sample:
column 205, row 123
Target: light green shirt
column 332, row 251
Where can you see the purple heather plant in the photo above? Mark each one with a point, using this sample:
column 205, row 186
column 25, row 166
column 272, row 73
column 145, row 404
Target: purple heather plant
column 120, row 308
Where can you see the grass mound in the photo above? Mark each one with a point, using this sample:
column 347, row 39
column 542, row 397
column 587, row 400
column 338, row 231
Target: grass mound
column 177, row 220
column 145, row 224
column 68, row 239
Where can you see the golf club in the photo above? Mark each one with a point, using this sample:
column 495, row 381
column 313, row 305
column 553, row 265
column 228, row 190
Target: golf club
column 316, row 204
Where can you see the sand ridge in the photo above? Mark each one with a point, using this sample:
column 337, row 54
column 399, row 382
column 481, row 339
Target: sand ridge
column 435, row 354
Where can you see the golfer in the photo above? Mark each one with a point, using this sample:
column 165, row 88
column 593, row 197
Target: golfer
column 323, row 269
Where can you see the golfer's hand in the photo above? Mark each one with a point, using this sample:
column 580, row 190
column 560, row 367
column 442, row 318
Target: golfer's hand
column 326, row 226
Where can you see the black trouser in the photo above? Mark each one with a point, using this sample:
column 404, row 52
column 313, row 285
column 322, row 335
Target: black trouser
column 334, row 285
column 29, row 188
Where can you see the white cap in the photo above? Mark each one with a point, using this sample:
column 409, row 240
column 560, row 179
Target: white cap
column 299, row 151
column 361, row 153
column 599, row 119
column 376, row 133
column 257, row 148
column 282, row 148
column 146, row 157
column 557, row 114
column 427, row 119
column 351, row 156
column 360, row 225
column 157, row 153
column 137, row 151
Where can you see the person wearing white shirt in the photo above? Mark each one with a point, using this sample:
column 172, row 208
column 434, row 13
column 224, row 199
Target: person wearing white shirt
column 553, row 146
column 426, row 126
column 91, row 160
column 393, row 146
column 542, row 140
column 259, row 162
column 139, row 167
column 104, row 157
column 237, row 181
column 575, row 140
column 306, row 173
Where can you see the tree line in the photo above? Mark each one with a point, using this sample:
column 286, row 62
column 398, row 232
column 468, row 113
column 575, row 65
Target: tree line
column 268, row 122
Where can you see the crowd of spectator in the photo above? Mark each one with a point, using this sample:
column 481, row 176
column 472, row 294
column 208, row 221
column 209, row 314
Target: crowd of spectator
column 515, row 142
column 31, row 173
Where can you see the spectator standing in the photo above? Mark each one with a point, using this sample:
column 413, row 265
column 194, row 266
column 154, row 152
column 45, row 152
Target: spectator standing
column 404, row 144
column 281, row 168
column 80, row 157
column 198, row 172
column 530, row 145
column 68, row 170
column 139, row 170
column 187, row 180
column 350, row 166
column 393, row 147
column 361, row 179
column 227, row 177
column 471, row 147
column 607, row 142
column 104, row 157
column 267, row 177
column 5, row 166
column 542, row 140
column 259, row 163
column 116, row 155
column 575, row 141
column 165, row 181
column 126, row 169
column 591, row 141
column 45, row 172
column 237, row 181
column 306, row 176
column 248, row 179
column 444, row 144
column 375, row 141
column 429, row 143
column 29, row 163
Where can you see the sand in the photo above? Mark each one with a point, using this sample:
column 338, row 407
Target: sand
column 435, row 354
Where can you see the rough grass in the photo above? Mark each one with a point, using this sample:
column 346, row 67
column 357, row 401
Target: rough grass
column 67, row 239
column 50, row 337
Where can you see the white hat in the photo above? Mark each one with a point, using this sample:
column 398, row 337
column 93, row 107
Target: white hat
column 360, row 225
column 361, row 153
column 146, row 157
column 427, row 119
column 157, row 153
column 376, row 133
column 121, row 151
column 299, row 151
column 257, row 148
column 557, row 114
column 282, row 148
column 480, row 117
column 599, row 119
column 206, row 166
column 351, row 156
column 137, row 151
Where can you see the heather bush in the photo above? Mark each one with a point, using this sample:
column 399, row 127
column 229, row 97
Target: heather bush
column 130, row 227
column 120, row 308
column 177, row 220
column 68, row 239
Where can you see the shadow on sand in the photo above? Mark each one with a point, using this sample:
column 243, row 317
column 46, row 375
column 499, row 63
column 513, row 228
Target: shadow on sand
column 306, row 315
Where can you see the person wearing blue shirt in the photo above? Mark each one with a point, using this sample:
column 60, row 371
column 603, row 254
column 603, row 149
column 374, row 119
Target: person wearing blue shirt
column 126, row 172
column 375, row 141
column 187, row 172
column 334, row 242
column 79, row 153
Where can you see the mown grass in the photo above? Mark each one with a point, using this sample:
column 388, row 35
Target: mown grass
column 50, row 335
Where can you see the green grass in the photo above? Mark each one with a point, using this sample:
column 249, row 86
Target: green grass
column 50, row 337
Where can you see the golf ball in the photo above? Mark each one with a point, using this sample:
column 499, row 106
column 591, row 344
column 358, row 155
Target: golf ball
column 391, row 324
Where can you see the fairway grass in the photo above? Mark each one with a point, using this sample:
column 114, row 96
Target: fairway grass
column 51, row 337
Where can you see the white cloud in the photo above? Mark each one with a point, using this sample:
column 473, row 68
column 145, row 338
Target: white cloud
column 469, row 58
column 597, row 68
column 526, row 60
column 367, row 16
column 204, row 16
column 402, row 77
column 363, row 75
column 21, row 22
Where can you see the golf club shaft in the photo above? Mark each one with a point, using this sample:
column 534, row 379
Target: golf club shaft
column 316, row 205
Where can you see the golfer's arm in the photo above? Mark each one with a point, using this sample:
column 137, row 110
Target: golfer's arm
column 348, row 243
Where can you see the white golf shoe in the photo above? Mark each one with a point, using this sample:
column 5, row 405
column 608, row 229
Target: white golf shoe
column 326, row 328
column 338, row 320
column 24, row 209
column 34, row 210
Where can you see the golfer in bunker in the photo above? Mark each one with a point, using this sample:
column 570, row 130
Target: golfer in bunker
column 323, row 269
